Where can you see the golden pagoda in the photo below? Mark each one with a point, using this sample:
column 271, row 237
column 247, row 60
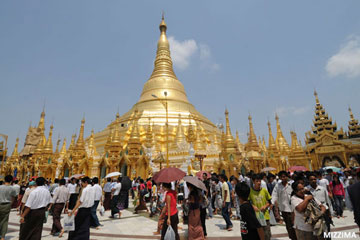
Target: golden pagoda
column 164, row 103
column 253, row 152
column 328, row 146
column 282, row 146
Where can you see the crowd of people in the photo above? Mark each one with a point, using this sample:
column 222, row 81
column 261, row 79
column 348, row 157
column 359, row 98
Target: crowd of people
column 305, row 202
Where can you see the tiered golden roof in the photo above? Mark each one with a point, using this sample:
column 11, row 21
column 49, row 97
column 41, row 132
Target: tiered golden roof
column 354, row 127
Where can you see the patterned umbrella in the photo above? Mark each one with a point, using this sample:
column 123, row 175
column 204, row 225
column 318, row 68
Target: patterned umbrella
column 297, row 168
column 196, row 182
column 268, row 169
column 168, row 175
column 77, row 176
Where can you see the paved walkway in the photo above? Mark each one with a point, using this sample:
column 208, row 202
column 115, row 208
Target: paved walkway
column 140, row 226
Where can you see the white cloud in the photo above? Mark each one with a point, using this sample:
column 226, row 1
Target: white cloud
column 283, row 111
column 347, row 61
column 181, row 51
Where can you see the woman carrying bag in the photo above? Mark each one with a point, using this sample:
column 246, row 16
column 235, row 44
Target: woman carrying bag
column 171, row 218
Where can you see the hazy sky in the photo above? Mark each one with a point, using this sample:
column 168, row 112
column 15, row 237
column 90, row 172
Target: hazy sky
column 93, row 57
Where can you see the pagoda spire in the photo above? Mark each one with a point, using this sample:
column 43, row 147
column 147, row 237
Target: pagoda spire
column 252, row 143
column 135, row 135
column 91, row 145
column 80, row 141
column 49, row 146
column 41, row 124
column 149, row 136
column 180, row 137
column 230, row 143
column 116, row 138
column 57, row 145
column 354, row 127
column 72, row 143
column 280, row 139
column 271, row 138
column 15, row 152
column 63, row 148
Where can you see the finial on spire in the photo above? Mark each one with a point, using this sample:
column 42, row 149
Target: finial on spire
column 162, row 24
column 351, row 114
column 316, row 97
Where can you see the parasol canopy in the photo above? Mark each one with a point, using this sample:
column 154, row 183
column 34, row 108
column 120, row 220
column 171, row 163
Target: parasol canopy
column 168, row 175
column 196, row 182
column 113, row 174
column 268, row 169
column 297, row 168
column 335, row 169
column 77, row 176
column 201, row 173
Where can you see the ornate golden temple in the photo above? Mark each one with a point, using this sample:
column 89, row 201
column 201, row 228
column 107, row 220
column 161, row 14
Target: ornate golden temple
column 164, row 128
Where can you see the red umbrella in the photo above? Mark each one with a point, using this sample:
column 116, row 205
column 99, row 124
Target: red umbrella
column 167, row 175
column 297, row 168
column 201, row 173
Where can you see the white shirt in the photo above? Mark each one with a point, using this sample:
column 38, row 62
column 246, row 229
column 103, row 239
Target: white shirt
column 299, row 221
column 186, row 191
column 98, row 192
column 72, row 188
column 107, row 187
column 87, row 197
column 282, row 195
column 17, row 189
column 263, row 185
column 117, row 188
column 324, row 183
column 40, row 197
column 61, row 195
column 322, row 195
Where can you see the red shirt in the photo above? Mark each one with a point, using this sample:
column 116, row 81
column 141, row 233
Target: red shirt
column 149, row 184
column 142, row 186
column 338, row 189
column 173, row 208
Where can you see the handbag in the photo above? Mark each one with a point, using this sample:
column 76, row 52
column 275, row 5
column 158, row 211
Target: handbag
column 102, row 211
column 46, row 216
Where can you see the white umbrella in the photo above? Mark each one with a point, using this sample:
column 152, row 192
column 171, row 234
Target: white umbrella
column 113, row 174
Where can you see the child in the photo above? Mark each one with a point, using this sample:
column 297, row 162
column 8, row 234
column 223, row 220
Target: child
column 249, row 225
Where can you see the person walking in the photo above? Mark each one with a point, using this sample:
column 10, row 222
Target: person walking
column 171, row 214
column 322, row 195
column 299, row 203
column 7, row 196
column 280, row 197
column 60, row 199
column 250, row 227
column 94, row 221
column 82, row 217
column 31, row 187
column 72, row 186
column 107, row 194
column 261, row 200
column 225, row 193
column 115, row 198
column 32, row 219
column 16, row 186
column 354, row 196
column 195, row 231
column 338, row 193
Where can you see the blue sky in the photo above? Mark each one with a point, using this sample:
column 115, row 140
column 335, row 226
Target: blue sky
column 93, row 57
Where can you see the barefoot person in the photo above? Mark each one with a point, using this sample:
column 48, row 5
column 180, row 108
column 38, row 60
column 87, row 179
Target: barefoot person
column 32, row 219
column 82, row 217
column 59, row 201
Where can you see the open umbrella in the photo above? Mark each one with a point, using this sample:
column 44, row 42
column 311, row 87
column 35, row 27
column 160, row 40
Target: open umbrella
column 268, row 169
column 196, row 182
column 167, row 175
column 126, row 183
column 77, row 176
column 297, row 168
column 335, row 169
column 113, row 174
column 201, row 173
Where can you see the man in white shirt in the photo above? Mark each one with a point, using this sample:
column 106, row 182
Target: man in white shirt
column 73, row 195
column 107, row 193
column 281, row 196
column 94, row 221
column 82, row 218
column 322, row 195
column 60, row 199
column 32, row 218
column 115, row 198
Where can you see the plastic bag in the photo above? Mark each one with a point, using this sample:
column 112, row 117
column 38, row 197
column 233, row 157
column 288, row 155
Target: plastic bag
column 102, row 211
column 46, row 216
column 69, row 223
column 170, row 234
column 272, row 218
column 261, row 218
